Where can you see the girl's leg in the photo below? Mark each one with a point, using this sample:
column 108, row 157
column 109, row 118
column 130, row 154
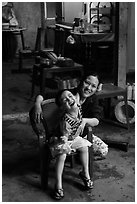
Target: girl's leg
column 84, row 175
column 59, row 170
column 84, row 157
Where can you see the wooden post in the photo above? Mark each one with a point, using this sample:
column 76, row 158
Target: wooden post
column 122, row 44
column 42, row 31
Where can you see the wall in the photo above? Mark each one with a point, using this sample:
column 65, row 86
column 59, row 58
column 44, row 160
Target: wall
column 29, row 16
column 131, row 38
column 72, row 10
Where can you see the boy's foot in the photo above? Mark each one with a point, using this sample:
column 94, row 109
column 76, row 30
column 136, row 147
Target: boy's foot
column 58, row 194
column 87, row 182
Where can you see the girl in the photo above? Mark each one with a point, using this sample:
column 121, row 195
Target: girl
column 71, row 127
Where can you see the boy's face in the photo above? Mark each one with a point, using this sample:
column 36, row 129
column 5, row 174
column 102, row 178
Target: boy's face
column 68, row 101
column 90, row 86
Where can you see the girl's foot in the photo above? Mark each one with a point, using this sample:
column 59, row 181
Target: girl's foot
column 58, row 194
column 87, row 182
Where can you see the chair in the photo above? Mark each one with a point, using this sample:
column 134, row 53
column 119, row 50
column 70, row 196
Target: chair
column 40, row 74
column 44, row 130
column 59, row 41
column 28, row 53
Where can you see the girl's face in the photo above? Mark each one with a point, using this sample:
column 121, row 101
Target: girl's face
column 90, row 86
column 68, row 101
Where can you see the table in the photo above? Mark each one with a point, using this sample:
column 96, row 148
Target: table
column 55, row 69
column 94, row 37
column 110, row 91
column 8, row 42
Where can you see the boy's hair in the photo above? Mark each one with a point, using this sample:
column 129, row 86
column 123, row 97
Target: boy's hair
column 58, row 97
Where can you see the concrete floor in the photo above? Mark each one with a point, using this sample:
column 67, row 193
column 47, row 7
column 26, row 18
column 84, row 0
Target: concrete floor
column 114, row 177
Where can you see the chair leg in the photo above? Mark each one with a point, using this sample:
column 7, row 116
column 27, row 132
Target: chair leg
column 91, row 160
column 126, row 107
column 33, row 81
column 34, row 78
column 44, row 166
column 72, row 162
column 20, row 61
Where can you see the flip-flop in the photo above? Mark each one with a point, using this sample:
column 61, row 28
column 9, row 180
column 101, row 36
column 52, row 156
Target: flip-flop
column 58, row 194
column 87, row 182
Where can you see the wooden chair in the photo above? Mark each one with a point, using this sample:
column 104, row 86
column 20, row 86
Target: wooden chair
column 27, row 53
column 59, row 41
column 40, row 73
column 44, row 130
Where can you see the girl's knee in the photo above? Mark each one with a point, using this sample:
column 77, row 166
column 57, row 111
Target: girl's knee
column 62, row 157
column 83, row 149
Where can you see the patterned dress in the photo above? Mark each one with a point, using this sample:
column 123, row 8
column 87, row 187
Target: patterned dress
column 72, row 128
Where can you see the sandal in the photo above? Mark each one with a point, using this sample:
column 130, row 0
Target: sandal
column 87, row 182
column 58, row 194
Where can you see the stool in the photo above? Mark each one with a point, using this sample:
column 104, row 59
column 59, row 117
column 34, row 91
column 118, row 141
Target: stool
column 110, row 91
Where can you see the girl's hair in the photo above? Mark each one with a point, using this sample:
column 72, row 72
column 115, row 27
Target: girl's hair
column 91, row 73
column 58, row 97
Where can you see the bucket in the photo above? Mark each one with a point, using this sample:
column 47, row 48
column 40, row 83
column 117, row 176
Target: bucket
column 120, row 112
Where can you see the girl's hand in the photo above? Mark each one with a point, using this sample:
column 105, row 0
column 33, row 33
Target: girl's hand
column 63, row 139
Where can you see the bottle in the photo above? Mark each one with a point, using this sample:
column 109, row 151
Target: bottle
column 68, row 84
column 129, row 91
column 64, row 84
column 133, row 91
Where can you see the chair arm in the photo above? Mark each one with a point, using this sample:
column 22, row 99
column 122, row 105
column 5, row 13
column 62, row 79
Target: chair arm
column 41, row 133
column 89, row 134
column 38, row 128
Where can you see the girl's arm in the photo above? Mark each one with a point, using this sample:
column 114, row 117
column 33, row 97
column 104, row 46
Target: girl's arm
column 65, row 129
column 91, row 121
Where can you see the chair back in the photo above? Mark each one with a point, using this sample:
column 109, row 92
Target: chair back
column 59, row 42
column 51, row 117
